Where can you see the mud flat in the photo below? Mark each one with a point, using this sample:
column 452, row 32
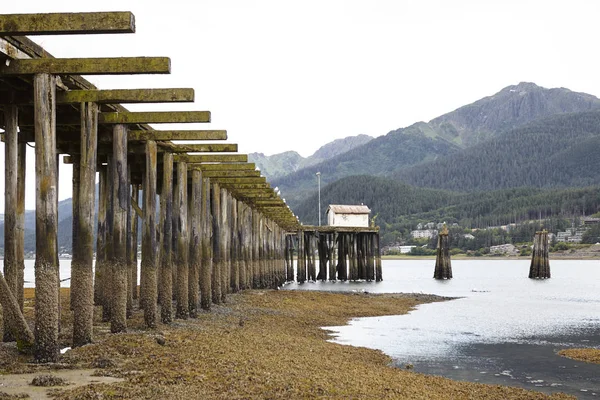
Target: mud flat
column 260, row 344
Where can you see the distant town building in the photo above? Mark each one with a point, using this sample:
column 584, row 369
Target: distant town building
column 508, row 249
column 419, row 226
column 423, row 233
column 429, row 225
column 399, row 249
column 590, row 221
column 468, row 236
column 570, row 235
column 348, row 215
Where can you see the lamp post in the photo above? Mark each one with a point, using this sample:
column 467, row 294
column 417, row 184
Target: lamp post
column 319, row 183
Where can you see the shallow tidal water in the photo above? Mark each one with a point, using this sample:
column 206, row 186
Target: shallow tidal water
column 503, row 329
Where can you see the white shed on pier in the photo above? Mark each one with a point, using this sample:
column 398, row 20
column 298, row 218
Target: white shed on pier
column 348, row 215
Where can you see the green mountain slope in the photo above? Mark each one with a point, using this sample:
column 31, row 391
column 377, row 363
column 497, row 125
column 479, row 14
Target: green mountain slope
column 559, row 151
column 511, row 107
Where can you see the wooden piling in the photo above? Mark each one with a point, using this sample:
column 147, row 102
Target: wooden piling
column 148, row 297
column 378, row 269
column 10, row 209
column 443, row 267
column 235, row 247
column 224, row 221
column 216, row 239
column 181, row 232
column 540, row 263
column 135, row 198
column 118, row 321
column 109, row 250
column 332, row 259
column 82, row 273
column 20, row 226
column 46, row 263
column 165, row 289
column 14, row 319
column 195, row 244
column 100, row 272
column 241, row 233
column 129, row 244
column 207, row 251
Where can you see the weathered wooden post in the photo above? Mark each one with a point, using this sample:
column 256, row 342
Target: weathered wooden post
column 129, row 240
column 443, row 267
column 165, row 290
column 540, row 263
column 224, row 244
column 235, row 247
column 100, row 272
column 241, row 237
column 207, row 252
column 46, row 262
column 342, row 255
column 118, row 321
column 84, row 194
column 181, row 231
column 370, row 253
column 109, row 238
column 10, row 209
column 195, row 260
column 14, row 319
column 300, row 270
column 135, row 198
column 378, row 269
column 217, row 234
column 332, row 259
column 148, row 297
column 20, row 226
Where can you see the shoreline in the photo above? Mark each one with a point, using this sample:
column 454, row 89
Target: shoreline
column 259, row 344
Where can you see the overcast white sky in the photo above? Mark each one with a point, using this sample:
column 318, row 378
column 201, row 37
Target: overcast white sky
column 293, row 75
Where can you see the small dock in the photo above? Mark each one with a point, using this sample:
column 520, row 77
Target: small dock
column 344, row 253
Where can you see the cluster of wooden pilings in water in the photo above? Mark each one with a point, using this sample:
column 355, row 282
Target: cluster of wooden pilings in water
column 221, row 227
column 343, row 253
column 540, row 264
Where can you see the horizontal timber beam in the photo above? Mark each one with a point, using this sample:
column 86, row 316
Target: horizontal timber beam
column 135, row 135
column 105, row 96
column 87, row 66
column 246, row 186
column 204, row 148
column 67, row 23
column 226, row 181
column 224, row 167
column 154, row 117
column 206, row 158
column 230, row 174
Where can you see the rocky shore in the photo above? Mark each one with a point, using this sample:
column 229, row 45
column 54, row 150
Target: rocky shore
column 259, row 345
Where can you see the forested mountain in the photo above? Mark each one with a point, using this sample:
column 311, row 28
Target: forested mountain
column 398, row 207
column 285, row 163
column 559, row 151
column 381, row 156
column 421, row 143
column 511, row 107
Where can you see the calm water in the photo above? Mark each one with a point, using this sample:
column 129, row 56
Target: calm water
column 504, row 329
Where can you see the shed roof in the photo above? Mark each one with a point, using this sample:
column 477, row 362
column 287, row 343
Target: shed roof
column 349, row 209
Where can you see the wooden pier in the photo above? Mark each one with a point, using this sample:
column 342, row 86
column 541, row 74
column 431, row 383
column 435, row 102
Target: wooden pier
column 344, row 253
column 221, row 227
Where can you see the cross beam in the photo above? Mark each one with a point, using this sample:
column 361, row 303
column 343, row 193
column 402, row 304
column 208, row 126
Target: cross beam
column 154, row 117
column 67, row 23
column 87, row 66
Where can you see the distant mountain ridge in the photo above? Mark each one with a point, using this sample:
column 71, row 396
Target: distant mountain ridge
column 282, row 164
column 486, row 119
column 511, row 107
